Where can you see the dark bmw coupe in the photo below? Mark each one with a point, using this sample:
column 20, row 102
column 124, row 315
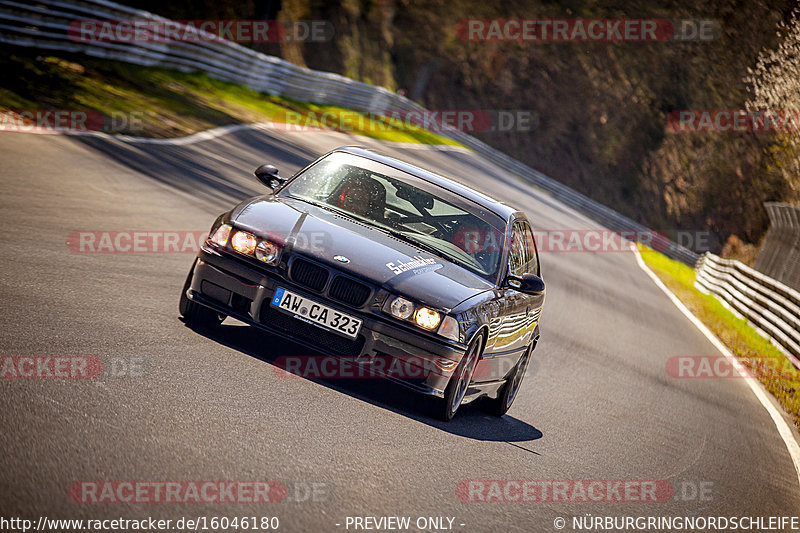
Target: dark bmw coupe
column 367, row 258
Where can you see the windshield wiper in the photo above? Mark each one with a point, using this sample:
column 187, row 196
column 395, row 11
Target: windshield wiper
column 412, row 241
column 328, row 207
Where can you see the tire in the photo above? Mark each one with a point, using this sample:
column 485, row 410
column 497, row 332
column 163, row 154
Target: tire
column 459, row 382
column 195, row 315
column 508, row 392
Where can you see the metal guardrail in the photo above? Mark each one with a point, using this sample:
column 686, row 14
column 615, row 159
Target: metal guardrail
column 44, row 25
column 769, row 305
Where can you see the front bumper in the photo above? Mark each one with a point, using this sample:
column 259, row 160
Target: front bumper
column 236, row 289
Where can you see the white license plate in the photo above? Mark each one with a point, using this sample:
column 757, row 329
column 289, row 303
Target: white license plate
column 316, row 313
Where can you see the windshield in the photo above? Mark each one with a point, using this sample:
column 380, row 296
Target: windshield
column 404, row 205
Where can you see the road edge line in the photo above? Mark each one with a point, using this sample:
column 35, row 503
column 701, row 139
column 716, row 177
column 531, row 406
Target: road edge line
column 777, row 417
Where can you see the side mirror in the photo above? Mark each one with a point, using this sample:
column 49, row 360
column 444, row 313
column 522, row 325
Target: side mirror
column 527, row 283
column 268, row 175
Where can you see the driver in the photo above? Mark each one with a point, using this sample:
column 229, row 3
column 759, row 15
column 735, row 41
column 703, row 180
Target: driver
column 362, row 196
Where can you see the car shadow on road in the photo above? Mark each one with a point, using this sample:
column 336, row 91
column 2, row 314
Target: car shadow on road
column 470, row 422
column 204, row 174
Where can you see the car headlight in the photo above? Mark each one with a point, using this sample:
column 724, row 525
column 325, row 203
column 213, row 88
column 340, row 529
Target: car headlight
column 244, row 243
column 402, row 308
column 423, row 317
column 267, row 252
column 427, row 318
column 220, row 237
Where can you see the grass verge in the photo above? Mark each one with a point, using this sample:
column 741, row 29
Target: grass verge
column 763, row 359
column 161, row 103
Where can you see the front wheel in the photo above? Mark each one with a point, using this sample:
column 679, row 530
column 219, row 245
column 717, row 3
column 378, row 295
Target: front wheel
column 195, row 315
column 505, row 397
column 460, row 380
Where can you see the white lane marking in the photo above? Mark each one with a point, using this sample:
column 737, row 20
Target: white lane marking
column 755, row 385
column 213, row 133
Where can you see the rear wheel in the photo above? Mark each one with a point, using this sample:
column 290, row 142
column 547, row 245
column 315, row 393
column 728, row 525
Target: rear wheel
column 460, row 380
column 195, row 315
column 508, row 392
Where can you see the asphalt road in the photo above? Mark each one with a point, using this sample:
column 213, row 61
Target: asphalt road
column 597, row 403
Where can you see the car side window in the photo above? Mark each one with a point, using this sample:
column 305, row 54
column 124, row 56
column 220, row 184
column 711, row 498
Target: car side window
column 517, row 254
column 532, row 265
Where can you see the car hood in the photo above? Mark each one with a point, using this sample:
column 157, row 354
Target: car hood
column 373, row 255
